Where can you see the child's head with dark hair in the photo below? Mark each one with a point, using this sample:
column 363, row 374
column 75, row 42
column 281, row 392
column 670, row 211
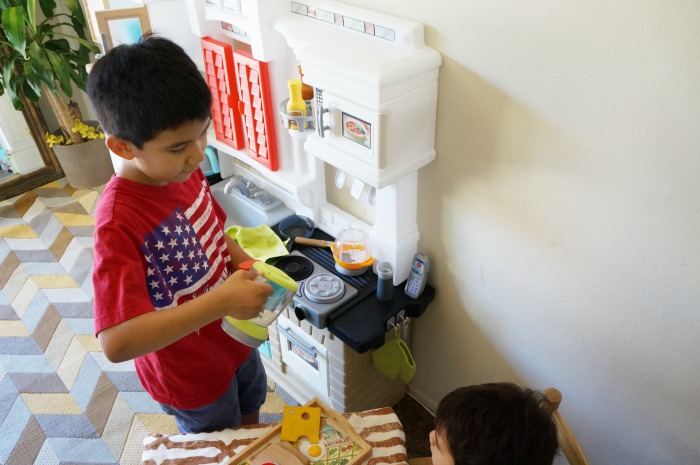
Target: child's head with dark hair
column 493, row 424
column 143, row 89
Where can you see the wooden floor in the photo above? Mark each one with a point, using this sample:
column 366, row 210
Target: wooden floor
column 420, row 461
column 417, row 424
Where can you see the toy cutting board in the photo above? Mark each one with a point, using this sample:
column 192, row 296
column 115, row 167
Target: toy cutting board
column 342, row 444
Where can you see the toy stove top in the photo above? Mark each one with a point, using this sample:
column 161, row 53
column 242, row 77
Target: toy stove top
column 320, row 290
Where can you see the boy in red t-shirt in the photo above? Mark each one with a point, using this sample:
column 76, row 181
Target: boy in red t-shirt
column 165, row 273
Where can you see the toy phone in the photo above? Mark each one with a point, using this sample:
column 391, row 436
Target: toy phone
column 418, row 276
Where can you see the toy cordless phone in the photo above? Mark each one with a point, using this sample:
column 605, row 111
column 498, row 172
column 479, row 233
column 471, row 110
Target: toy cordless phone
column 418, row 276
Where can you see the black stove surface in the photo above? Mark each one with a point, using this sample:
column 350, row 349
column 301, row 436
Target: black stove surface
column 297, row 267
column 320, row 291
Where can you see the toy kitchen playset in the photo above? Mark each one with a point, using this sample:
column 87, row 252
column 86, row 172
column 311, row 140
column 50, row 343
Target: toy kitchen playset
column 348, row 159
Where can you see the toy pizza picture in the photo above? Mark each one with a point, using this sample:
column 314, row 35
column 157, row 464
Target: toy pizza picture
column 337, row 443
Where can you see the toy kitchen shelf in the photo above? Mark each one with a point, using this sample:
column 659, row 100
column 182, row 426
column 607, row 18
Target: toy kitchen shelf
column 305, row 124
column 363, row 325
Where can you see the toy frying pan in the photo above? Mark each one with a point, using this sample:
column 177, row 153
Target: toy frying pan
column 295, row 226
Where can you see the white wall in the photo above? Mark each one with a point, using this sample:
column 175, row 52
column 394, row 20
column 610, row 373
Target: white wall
column 169, row 19
column 565, row 226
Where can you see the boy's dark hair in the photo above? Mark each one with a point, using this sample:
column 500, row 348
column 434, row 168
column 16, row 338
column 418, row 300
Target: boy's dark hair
column 497, row 423
column 142, row 89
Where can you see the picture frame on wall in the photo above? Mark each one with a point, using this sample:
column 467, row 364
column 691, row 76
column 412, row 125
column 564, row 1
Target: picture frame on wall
column 89, row 8
column 122, row 26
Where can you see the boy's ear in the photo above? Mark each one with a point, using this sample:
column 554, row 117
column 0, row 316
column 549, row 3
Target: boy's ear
column 119, row 147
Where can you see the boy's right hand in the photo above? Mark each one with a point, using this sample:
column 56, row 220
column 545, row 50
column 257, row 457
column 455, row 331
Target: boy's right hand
column 242, row 297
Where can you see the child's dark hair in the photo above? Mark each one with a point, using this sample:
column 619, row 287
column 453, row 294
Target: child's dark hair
column 142, row 89
column 497, row 423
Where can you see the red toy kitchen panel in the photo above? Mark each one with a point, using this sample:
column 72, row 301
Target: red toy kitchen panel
column 220, row 74
column 257, row 109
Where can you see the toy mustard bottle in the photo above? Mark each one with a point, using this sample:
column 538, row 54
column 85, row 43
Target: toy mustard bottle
column 296, row 106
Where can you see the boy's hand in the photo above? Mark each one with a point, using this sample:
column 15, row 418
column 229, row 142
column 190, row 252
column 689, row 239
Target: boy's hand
column 239, row 296
column 242, row 297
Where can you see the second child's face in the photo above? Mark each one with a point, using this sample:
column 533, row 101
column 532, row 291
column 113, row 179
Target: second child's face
column 171, row 157
column 440, row 449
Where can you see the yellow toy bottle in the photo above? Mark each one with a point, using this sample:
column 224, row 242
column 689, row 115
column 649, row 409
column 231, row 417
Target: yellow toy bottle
column 296, row 106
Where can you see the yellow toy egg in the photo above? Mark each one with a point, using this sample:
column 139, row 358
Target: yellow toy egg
column 314, row 452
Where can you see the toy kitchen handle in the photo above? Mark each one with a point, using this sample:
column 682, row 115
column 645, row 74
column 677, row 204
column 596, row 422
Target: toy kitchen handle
column 312, row 242
column 309, row 350
column 320, row 128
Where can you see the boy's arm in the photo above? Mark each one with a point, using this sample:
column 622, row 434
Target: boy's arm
column 239, row 296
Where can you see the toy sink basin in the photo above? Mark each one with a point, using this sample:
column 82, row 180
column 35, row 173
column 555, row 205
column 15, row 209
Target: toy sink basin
column 248, row 212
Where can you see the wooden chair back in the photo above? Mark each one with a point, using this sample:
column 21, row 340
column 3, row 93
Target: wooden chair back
column 567, row 441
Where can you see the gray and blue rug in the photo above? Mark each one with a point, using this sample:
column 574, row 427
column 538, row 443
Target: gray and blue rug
column 61, row 400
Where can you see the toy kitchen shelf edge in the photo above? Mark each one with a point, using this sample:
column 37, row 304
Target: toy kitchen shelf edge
column 363, row 325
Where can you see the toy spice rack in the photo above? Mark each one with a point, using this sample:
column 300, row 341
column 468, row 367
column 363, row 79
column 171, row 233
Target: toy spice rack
column 338, row 442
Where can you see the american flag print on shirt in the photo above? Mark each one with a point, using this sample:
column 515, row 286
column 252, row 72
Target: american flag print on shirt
column 186, row 254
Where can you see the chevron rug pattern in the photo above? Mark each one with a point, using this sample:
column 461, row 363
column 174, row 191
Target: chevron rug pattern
column 61, row 400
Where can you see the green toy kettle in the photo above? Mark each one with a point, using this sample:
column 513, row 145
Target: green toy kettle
column 254, row 332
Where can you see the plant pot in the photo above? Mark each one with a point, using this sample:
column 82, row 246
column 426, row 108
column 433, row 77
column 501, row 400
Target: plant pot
column 85, row 165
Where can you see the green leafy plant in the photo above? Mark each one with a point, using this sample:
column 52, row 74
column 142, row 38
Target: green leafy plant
column 45, row 56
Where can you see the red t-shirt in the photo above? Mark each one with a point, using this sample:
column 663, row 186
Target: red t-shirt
column 157, row 247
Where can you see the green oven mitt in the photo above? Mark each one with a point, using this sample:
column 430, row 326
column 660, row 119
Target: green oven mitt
column 260, row 242
column 394, row 359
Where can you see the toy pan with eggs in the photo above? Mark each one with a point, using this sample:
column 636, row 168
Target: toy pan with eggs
column 338, row 443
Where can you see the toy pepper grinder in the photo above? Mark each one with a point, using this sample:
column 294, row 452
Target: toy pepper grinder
column 307, row 92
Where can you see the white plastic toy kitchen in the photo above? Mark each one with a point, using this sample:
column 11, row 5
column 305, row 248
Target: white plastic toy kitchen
column 351, row 161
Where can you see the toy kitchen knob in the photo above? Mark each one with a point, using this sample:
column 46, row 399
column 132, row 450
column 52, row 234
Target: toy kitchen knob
column 299, row 313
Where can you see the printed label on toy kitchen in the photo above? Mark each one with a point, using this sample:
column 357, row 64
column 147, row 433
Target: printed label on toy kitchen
column 304, row 355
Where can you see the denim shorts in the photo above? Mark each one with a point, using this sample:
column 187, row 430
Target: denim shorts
column 245, row 395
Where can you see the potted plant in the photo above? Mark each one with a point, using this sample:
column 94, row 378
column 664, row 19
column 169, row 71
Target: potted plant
column 45, row 57
column 87, row 164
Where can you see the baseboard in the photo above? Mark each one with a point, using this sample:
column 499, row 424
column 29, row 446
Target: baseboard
column 424, row 401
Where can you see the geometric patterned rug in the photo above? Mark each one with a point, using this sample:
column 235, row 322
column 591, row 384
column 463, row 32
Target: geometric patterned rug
column 61, row 400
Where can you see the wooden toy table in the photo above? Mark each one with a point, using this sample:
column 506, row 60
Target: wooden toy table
column 380, row 428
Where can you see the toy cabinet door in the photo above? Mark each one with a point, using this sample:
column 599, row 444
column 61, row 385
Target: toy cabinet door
column 220, row 75
column 256, row 108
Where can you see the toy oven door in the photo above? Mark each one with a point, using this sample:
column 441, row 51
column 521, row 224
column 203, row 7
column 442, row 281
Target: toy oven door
column 303, row 355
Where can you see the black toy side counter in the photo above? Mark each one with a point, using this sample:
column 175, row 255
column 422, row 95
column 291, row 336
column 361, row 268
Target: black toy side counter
column 362, row 322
